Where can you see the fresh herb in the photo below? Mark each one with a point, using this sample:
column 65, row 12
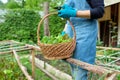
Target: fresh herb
column 56, row 39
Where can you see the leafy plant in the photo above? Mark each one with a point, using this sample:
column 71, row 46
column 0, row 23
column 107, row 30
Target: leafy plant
column 12, row 4
column 20, row 25
column 55, row 39
column 99, row 43
column 9, row 69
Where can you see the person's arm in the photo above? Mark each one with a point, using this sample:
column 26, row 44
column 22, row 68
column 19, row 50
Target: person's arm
column 97, row 8
column 96, row 11
column 83, row 14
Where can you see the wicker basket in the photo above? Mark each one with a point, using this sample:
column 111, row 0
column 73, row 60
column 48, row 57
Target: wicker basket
column 56, row 51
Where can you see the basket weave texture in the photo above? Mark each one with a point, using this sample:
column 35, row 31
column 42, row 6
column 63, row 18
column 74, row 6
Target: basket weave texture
column 56, row 51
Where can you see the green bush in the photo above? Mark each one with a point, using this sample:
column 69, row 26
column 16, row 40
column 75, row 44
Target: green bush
column 56, row 24
column 21, row 25
column 12, row 5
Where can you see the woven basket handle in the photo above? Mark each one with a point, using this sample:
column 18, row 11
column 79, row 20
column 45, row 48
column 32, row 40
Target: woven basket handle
column 40, row 23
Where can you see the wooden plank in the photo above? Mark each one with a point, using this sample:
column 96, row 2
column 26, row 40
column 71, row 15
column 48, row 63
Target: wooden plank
column 92, row 68
column 102, row 57
column 33, row 63
column 107, row 14
column 8, row 48
column 109, row 75
column 98, row 31
column 16, row 51
column 108, row 67
column 34, row 47
column 108, row 48
column 118, row 42
column 23, row 69
column 9, row 45
column 45, row 71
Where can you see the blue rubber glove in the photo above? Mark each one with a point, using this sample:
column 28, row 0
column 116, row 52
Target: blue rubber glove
column 67, row 12
column 63, row 33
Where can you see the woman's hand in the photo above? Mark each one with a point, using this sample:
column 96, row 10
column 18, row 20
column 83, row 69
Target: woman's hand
column 67, row 12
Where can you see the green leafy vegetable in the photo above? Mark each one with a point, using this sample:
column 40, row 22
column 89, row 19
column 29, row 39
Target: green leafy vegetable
column 55, row 39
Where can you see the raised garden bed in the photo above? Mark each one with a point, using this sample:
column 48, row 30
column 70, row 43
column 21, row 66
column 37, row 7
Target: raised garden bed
column 107, row 58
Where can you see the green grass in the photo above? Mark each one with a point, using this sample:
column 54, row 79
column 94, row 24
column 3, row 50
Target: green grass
column 9, row 69
column 39, row 75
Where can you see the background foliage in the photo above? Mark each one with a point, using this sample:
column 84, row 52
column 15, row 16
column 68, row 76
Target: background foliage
column 21, row 25
column 22, row 19
column 30, row 4
column 12, row 4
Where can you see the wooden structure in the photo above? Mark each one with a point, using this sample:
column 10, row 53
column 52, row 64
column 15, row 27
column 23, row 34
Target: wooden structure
column 14, row 47
column 11, row 46
column 109, row 24
column 46, row 21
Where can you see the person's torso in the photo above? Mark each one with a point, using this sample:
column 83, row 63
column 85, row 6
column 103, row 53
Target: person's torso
column 80, row 5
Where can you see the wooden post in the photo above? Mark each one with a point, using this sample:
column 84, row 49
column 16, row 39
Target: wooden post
column 46, row 21
column 109, row 75
column 33, row 63
column 93, row 68
column 23, row 68
column 108, row 48
column 107, row 15
column 99, row 31
column 45, row 71
column 39, row 64
column 118, row 42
